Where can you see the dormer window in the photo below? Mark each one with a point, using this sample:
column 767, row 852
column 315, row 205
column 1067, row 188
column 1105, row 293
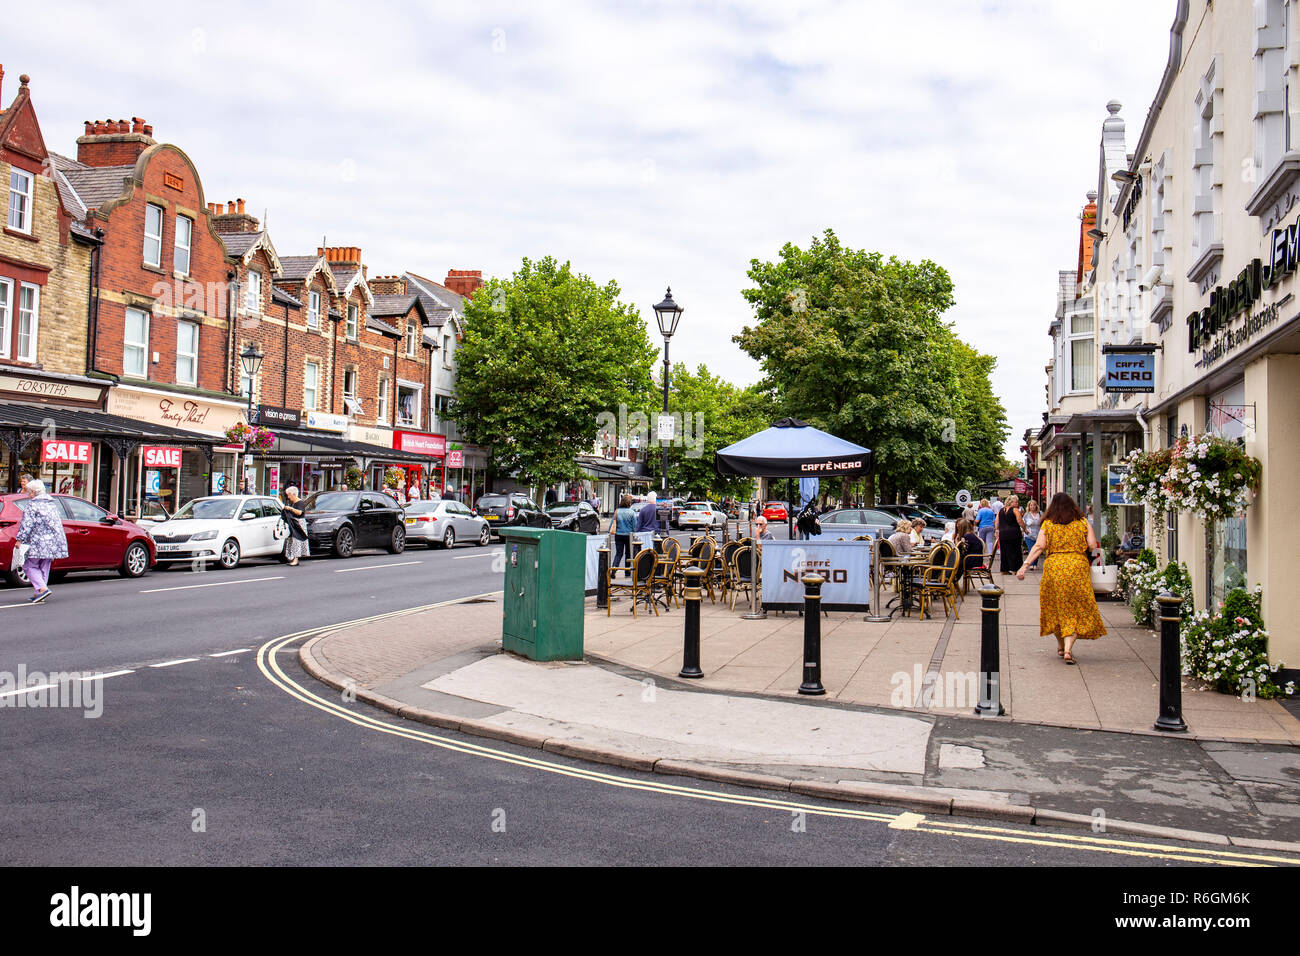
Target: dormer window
column 313, row 311
column 352, row 321
column 253, row 292
column 410, row 339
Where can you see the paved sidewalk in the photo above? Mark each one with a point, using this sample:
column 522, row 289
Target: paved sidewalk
column 933, row 665
column 444, row 666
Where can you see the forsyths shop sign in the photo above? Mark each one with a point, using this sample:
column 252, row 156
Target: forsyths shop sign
column 1208, row 330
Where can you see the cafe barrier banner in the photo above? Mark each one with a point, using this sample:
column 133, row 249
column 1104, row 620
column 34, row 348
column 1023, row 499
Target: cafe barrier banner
column 845, row 566
column 642, row 539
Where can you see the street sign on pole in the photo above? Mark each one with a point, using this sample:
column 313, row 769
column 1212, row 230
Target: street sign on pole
column 667, row 428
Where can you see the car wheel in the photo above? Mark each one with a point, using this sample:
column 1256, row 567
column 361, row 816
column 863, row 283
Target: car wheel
column 485, row 537
column 230, row 554
column 397, row 544
column 18, row 578
column 344, row 542
column 135, row 562
column 449, row 539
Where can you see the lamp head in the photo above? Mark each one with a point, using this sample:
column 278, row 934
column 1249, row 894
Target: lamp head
column 668, row 313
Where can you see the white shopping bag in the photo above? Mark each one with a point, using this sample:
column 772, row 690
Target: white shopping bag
column 20, row 556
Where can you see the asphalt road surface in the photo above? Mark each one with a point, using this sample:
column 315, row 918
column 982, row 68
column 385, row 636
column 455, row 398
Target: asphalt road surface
column 204, row 754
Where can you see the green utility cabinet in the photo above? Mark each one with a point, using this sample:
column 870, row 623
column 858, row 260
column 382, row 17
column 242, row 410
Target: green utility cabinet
column 545, row 593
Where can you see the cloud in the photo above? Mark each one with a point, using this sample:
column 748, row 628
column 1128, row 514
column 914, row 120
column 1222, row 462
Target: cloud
column 649, row 143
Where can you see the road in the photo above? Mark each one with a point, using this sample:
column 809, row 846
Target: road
column 201, row 756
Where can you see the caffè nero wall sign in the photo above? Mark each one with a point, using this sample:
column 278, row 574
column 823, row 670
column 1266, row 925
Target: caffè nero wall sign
column 1213, row 331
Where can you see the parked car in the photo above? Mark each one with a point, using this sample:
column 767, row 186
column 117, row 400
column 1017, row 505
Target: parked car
column 581, row 517
column 701, row 514
column 911, row 512
column 776, row 511
column 445, row 522
column 851, row 522
column 222, row 528
column 342, row 521
column 950, row 510
column 511, row 510
column 97, row 540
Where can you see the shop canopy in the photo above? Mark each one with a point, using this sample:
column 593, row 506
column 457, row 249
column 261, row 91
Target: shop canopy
column 792, row 449
column 294, row 443
column 20, row 425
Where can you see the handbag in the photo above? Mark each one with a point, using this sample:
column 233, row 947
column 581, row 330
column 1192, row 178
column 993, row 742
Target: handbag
column 19, row 556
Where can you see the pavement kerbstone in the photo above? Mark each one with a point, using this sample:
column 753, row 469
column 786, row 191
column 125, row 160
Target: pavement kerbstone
column 524, row 738
column 629, row 761
column 914, row 798
column 1166, row 833
column 1251, row 843
column 740, row 778
column 974, row 807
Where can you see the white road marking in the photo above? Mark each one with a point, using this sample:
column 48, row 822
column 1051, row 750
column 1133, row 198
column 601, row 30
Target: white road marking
column 108, row 674
column 183, row 660
column 373, row 567
column 477, row 554
column 228, row 653
column 24, row 604
column 214, row 584
column 27, row 690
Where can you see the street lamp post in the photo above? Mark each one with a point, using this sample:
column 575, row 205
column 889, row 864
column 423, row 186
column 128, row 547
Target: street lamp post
column 667, row 313
column 251, row 360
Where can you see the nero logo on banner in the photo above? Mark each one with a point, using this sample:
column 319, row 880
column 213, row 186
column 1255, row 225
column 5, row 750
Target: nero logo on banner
column 162, row 456
column 66, row 452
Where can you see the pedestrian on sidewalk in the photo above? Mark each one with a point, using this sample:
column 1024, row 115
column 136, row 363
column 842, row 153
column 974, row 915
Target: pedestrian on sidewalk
column 621, row 526
column 1033, row 520
column 41, row 530
column 1010, row 538
column 1067, row 608
column 986, row 521
column 295, row 512
column 648, row 519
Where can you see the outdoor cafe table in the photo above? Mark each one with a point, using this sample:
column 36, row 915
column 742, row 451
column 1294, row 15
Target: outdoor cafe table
column 907, row 566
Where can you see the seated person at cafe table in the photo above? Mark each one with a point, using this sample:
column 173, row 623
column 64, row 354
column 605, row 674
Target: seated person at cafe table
column 901, row 539
column 760, row 529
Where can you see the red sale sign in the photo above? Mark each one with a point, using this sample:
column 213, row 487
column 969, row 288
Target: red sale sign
column 162, row 456
column 67, row 452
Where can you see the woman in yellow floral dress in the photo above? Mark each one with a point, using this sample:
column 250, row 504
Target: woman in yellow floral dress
column 1067, row 608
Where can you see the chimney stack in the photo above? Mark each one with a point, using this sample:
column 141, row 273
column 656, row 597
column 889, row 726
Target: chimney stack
column 230, row 218
column 113, row 142
column 464, row 281
column 388, row 285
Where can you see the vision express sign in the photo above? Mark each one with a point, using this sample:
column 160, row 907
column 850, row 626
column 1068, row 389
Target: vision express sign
column 845, row 566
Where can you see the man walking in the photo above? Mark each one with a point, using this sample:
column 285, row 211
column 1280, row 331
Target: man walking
column 648, row 518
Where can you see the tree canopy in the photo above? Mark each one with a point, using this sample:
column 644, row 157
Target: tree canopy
column 856, row 344
column 545, row 352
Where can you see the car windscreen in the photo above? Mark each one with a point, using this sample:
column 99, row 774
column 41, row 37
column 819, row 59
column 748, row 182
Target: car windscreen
column 561, row 509
column 211, row 509
column 332, row 501
column 492, row 501
column 423, row 507
column 695, row 506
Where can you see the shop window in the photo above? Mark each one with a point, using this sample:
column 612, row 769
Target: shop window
column 187, row 353
column 135, row 348
column 21, row 188
column 310, row 385
column 153, row 230
column 181, row 251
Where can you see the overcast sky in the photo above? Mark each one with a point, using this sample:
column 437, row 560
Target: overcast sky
column 650, row 143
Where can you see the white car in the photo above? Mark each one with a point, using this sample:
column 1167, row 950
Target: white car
column 223, row 529
column 701, row 514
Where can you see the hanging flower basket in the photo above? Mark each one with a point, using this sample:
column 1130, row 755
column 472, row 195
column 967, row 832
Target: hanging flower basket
column 254, row 438
column 393, row 477
column 1206, row 475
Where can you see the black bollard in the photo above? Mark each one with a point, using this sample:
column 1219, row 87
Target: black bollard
column 602, row 580
column 812, row 636
column 1171, row 666
column 990, row 704
column 691, row 646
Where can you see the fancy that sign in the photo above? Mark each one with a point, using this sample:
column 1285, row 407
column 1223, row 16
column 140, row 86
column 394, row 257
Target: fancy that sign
column 1130, row 369
column 162, row 456
column 66, row 452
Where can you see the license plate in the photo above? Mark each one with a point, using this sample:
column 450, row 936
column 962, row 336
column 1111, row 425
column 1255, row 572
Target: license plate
column 163, row 548
column 492, row 517
column 410, row 521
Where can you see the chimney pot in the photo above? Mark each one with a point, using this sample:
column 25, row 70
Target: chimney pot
column 241, row 206
column 148, row 130
column 89, row 126
column 137, row 124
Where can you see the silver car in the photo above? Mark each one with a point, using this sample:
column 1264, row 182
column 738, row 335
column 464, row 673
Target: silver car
column 848, row 523
column 444, row 522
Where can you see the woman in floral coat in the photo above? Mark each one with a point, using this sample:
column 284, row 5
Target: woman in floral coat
column 42, row 531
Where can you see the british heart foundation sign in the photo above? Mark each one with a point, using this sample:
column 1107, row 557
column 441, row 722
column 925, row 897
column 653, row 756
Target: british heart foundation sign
column 162, row 456
column 66, row 452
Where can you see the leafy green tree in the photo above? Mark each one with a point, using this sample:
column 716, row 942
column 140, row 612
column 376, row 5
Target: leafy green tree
column 546, row 352
column 712, row 413
column 856, row 344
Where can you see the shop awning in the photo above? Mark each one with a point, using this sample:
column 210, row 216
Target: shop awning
column 296, row 443
column 1108, row 420
column 22, row 424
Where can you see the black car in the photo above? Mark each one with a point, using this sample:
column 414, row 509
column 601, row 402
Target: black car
column 576, row 517
column 951, row 510
column 342, row 521
column 511, row 511
column 911, row 512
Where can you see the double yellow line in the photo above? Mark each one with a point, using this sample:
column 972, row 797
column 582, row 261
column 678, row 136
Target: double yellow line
column 947, row 826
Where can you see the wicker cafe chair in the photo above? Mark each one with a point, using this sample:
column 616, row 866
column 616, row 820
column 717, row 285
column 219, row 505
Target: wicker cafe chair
column 641, row 583
column 940, row 580
column 981, row 573
column 727, row 567
column 668, row 571
column 742, row 579
column 703, row 555
column 879, row 570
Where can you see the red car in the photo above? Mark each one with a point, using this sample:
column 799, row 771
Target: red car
column 97, row 540
column 775, row 511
